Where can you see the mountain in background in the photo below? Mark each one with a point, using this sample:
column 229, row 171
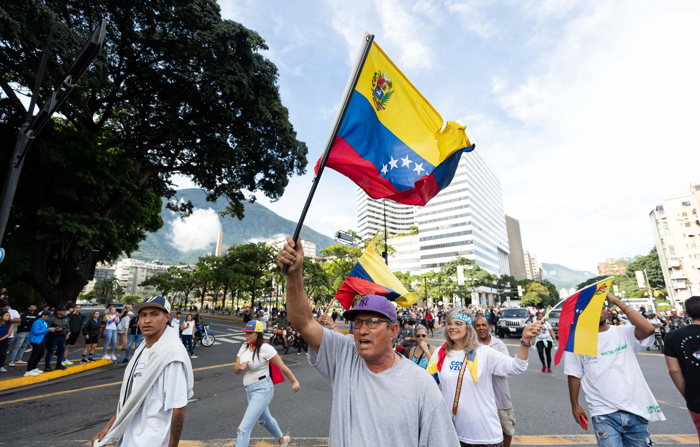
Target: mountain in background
column 562, row 276
column 258, row 225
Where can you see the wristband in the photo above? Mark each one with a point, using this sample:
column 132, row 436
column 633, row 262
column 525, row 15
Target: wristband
column 522, row 342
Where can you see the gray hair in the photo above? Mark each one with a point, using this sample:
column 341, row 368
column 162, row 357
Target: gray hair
column 471, row 341
column 420, row 326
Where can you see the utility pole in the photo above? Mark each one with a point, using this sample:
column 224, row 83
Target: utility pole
column 386, row 236
column 33, row 124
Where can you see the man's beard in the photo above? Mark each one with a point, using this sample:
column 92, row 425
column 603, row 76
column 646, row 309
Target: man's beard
column 602, row 322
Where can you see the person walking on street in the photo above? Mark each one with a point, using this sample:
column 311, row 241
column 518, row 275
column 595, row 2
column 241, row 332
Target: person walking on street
column 111, row 320
column 618, row 397
column 27, row 319
column 123, row 329
column 6, row 329
column 56, row 341
column 501, row 389
column 465, row 369
column 187, row 330
column 682, row 351
column 545, row 341
column 91, row 331
column 75, row 323
column 156, row 387
column 254, row 359
column 135, row 337
column 37, row 337
column 175, row 323
column 366, row 373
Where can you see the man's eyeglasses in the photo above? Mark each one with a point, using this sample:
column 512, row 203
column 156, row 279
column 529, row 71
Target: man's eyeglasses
column 371, row 323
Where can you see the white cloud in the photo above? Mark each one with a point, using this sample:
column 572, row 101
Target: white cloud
column 196, row 232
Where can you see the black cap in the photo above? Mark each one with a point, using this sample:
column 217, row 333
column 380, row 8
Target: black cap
column 61, row 308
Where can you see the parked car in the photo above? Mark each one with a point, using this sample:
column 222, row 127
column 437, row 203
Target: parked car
column 512, row 322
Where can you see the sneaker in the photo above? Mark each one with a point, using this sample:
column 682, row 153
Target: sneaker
column 549, row 370
column 48, row 369
column 84, row 361
column 29, row 349
column 12, row 364
column 67, row 363
column 125, row 361
column 36, row 371
column 194, row 356
column 60, row 367
column 29, row 374
column 21, row 362
column 544, row 369
column 286, row 439
column 90, row 360
column 114, row 358
column 3, row 370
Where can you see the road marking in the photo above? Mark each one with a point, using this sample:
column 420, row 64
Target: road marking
column 671, row 405
column 533, row 441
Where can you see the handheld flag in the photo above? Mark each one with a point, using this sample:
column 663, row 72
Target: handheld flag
column 391, row 141
column 436, row 362
column 546, row 313
column 371, row 276
column 580, row 316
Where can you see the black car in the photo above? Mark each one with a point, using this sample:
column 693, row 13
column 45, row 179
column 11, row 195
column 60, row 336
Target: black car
column 512, row 322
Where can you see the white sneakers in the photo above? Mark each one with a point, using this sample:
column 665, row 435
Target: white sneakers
column 3, row 370
column 114, row 358
column 67, row 363
column 20, row 362
column 286, row 439
column 34, row 372
column 194, row 356
column 12, row 364
column 106, row 357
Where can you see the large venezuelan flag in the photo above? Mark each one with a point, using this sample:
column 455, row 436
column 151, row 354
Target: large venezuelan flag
column 371, row 276
column 579, row 320
column 391, row 142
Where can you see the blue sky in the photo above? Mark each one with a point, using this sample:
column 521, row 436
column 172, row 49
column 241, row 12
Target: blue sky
column 586, row 110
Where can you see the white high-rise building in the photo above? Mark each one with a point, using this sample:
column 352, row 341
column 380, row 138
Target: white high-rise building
column 676, row 228
column 370, row 216
column 533, row 267
column 132, row 272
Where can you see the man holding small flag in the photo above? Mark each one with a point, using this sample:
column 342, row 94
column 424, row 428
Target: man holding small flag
column 618, row 396
column 379, row 397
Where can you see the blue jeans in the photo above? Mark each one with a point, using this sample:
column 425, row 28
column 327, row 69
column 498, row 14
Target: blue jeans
column 259, row 397
column 21, row 340
column 621, row 429
column 187, row 341
column 133, row 339
column 110, row 339
column 51, row 345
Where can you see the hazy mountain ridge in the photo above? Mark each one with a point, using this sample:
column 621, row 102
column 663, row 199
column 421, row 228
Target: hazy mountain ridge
column 258, row 224
column 562, row 276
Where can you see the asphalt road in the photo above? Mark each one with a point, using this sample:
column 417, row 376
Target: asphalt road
column 75, row 408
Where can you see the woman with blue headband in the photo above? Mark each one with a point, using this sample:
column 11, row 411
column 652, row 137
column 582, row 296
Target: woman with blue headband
column 464, row 368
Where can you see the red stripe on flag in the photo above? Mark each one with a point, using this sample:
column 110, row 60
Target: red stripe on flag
column 357, row 286
column 344, row 159
column 566, row 319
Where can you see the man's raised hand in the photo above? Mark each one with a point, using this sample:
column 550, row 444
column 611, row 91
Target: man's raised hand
column 291, row 255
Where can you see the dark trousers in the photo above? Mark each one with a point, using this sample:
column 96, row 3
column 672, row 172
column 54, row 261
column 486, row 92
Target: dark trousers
column 37, row 352
column 3, row 352
column 547, row 348
column 187, row 341
column 52, row 343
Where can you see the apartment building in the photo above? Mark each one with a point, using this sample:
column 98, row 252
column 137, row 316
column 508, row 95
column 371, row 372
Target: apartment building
column 132, row 272
column 370, row 216
column 675, row 226
column 533, row 267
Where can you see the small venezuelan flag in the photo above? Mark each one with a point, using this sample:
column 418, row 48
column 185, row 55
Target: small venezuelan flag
column 436, row 362
column 371, row 276
column 391, row 142
column 579, row 320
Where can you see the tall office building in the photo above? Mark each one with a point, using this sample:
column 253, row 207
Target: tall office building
column 676, row 228
column 516, row 257
column 370, row 216
column 533, row 267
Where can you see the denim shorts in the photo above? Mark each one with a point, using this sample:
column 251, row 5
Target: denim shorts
column 621, row 429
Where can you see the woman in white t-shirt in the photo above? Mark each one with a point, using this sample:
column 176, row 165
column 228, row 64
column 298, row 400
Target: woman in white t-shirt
column 111, row 322
column 544, row 342
column 254, row 358
column 472, row 399
column 187, row 332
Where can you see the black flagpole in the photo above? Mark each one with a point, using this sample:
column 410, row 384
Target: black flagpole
column 369, row 38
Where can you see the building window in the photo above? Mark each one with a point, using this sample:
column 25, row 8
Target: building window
column 687, row 224
column 686, row 204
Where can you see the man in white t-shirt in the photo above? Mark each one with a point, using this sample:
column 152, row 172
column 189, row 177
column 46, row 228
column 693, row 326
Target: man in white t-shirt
column 158, row 383
column 618, row 397
column 175, row 322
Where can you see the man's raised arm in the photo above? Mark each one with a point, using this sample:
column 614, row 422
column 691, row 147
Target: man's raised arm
column 298, row 309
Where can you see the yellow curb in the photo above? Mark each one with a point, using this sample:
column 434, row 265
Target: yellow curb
column 44, row 377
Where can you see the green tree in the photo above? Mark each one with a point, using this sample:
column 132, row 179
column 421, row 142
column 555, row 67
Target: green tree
column 474, row 277
column 256, row 261
column 590, row 281
column 652, row 265
column 317, row 282
column 176, row 90
column 535, row 295
column 205, row 275
column 164, row 283
column 131, row 299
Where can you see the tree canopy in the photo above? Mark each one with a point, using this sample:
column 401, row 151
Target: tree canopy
column 176, row 90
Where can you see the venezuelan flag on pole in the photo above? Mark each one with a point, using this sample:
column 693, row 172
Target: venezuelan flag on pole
column 391, row 141
column 580, row 316
column 371, row 276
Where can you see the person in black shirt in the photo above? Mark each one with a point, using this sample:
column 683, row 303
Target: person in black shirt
column 91, row 331
column 135, row 337
column 22, row 336
column 682, row 352
column 75, row 324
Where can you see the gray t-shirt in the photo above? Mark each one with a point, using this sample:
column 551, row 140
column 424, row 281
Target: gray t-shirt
column 500, row 383
column 399, row 406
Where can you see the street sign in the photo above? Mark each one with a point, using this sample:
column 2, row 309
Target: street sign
column 345, row 237
column 640, row 279
column 520, row 290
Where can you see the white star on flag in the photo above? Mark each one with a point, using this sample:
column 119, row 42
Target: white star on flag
column 393, row 162
column 384, row 169
column 419, row 168
column 406, row 162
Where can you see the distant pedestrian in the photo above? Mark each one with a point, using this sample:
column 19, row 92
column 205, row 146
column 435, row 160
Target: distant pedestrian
column 14, row 319
column 187, row 328
column 22, row 335
column 175, row 322
column 682, row 352
column 156, row 387
column 91, row 330
column 37, row 337
column 135, row 337
column 545, row 342
column 6, row 330
column 75, row 323
column 123, row 329
column 111, row 322
column 56, row 341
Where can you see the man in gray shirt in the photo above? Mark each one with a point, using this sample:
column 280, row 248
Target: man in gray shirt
column 379, row 398
column 500, row 384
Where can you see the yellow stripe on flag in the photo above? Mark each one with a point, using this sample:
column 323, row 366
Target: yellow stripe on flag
column 586, row 341
column 408, row 115
column 377, row 269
